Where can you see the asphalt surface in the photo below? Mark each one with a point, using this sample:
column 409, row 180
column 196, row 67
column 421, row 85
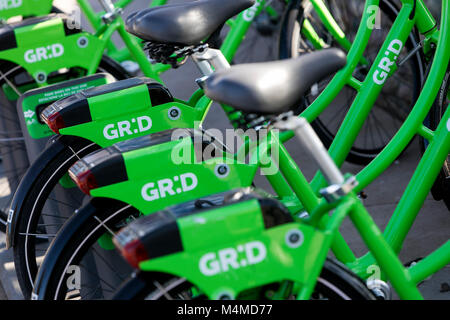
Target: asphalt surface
column 430, row 230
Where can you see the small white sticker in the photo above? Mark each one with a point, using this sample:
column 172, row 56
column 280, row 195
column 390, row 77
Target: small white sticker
column 29, row 114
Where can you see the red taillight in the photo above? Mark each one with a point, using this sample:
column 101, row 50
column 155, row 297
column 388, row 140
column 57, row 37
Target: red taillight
column 134, row 252
column 54, row 121
column 85, row 180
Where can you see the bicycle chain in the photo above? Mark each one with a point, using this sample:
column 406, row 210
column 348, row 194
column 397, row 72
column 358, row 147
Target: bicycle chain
column 171, row 54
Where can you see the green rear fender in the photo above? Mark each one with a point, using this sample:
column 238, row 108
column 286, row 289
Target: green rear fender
column 48, row 45
column 124, row 110
column 24, row 8
column 130, row 117
column 160, row 176
column 230, row 250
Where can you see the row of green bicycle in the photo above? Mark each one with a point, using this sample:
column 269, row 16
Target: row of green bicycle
column 46, row 50
column 177, row 204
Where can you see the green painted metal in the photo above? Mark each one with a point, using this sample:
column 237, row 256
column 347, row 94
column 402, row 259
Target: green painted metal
column 241, row 226
column 424, row 19
column 36, row 128
column 369, row 92
column 431, row 264
column 44, row 48
column 384, row 254
column 240, row 27
column 303, row 266
column 342, row 77
column 25, row 8
column 133, row 48
column 331, row 25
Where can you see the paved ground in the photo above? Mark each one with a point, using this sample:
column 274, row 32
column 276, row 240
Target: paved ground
column 431, row 229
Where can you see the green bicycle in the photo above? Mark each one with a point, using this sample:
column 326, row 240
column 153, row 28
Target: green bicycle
column 35, row 53
column 94, row 124
column 13, row 147
column 256, row 250
column 105, row 215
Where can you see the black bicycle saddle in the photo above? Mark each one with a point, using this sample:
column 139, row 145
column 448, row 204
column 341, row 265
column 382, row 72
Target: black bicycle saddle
column 186, row 23
column 272, row 87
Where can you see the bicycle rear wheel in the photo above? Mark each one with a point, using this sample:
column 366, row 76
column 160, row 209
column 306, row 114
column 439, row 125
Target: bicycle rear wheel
column 398, row 95
column 77, row 265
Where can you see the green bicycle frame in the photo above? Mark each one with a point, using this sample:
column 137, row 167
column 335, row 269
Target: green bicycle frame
column 287, row 182
column 412, row 13
column 383, row 248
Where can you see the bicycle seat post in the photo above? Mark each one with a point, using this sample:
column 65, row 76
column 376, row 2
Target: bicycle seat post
column 310, row 141
column 108, row 6
column 208, row 62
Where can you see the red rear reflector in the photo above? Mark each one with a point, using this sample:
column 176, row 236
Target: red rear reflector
column 85, row 181
column 134, row 252
column 54, row 121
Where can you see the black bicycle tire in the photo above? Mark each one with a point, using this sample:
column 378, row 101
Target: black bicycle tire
column 31, row 209
column 76, row 237
column 335, row 278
